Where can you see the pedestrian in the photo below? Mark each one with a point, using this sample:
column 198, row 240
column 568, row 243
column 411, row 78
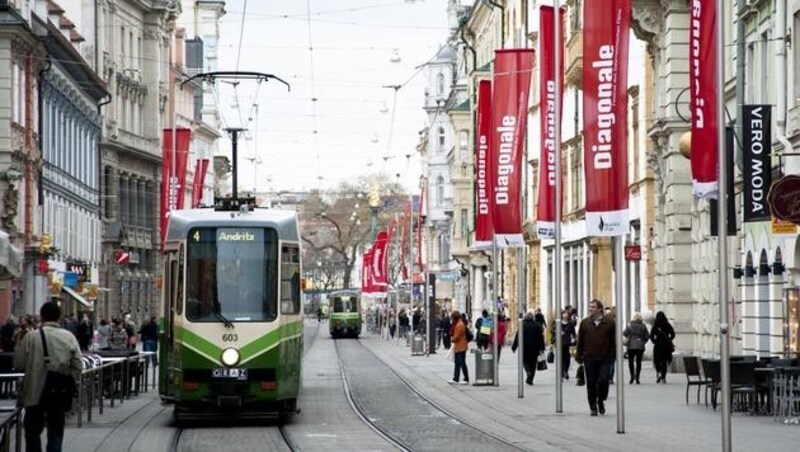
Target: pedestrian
column 85, row 333
column 445, row 328
column 483, row 330
column 532, row 345
column 595, row 350
column 635, row 338
column 611, row 315
column 130, row 330
column 149, row 334
column 568, row 338
column 118, row 339
column 25, row 325
column 103, row 333
column 7, row 334
column 458, row 336
column 500, row 339
column 61, row 363
column 662, row 334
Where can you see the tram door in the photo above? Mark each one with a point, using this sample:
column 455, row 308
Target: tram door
column 172, row 306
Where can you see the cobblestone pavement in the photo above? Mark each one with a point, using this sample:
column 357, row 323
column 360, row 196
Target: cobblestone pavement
column 657, row 417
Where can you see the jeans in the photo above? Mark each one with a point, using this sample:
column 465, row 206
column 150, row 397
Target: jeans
column 635, row 356
column 460, row 363
column 596, row 381
column 34, row 425
column 151, row 345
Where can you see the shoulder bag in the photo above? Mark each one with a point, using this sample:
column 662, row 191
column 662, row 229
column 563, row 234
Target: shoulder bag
column 59, row 389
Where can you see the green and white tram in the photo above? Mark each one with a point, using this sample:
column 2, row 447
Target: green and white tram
column 232, row 336
column 344, row 317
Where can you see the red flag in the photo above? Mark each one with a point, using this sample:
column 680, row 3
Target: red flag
column 378, row 270
column 483, row 189
column 702, row 82
column 605, row 116
column 171, row 183
column 403, row 241
column 366, row 277
column 512, row 82
column 546, row 206
column 419, row 225
column 201, row 183
column 196, row 183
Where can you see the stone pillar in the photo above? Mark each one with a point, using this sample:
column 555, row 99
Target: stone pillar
column 602, row 276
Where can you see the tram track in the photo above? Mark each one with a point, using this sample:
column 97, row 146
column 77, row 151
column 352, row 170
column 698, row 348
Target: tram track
column 383, row 433
column 436, row 405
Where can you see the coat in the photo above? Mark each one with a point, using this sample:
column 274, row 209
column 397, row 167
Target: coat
column 532, row 341
column 662, row 336
column 637, row 335
column 64, row 354
column 459, row 337
column 595, row 340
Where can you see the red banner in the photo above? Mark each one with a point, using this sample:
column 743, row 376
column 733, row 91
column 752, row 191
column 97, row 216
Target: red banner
column 196, row 184
column 173, row 188
column 379, row 259
column 546, row 206
column 702, row 83
column 366, row 277
column 202, row 182
column 512, row 82
column 605, row 116
column 483, row 189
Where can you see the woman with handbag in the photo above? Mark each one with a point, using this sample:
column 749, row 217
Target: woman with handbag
column 634, row 338
column 662, row 334
column 568, row 337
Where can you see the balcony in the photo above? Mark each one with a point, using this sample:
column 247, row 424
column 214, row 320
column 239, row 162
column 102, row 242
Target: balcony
column 574, row 59
column 133, row 141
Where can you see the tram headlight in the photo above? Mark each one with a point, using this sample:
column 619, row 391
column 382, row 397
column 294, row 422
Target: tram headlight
column 230, row 357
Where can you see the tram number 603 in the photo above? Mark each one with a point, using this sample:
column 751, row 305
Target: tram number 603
column 230, row 337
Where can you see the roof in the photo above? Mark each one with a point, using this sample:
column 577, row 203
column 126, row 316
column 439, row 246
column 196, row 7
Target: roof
column 284, row 221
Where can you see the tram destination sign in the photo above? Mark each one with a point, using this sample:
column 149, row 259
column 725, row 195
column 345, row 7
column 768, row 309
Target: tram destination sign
column 784, row 198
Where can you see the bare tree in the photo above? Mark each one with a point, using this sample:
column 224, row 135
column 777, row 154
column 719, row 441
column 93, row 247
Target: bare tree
column 336, row 224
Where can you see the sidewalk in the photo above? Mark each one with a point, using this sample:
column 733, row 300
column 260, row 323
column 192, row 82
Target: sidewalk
column 657, row 417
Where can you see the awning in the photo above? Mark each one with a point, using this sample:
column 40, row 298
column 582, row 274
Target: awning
column 10, row 257
column 77, row 296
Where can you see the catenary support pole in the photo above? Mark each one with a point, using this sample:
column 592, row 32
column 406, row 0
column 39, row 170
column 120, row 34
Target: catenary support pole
column 557, row 249
column 722, row 215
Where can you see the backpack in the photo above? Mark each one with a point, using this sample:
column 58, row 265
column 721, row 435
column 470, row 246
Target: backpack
column 470, row 336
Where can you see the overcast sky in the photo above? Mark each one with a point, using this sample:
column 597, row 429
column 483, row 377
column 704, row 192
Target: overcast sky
column 353, row 42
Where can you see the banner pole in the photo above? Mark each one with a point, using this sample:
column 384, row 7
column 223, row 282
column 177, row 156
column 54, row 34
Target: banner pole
column 722, row 232
column 493, row 307
column 620, row 321
column 557, row 249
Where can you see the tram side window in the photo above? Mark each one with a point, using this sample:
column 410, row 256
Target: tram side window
column 290, row 279
column 179, row 286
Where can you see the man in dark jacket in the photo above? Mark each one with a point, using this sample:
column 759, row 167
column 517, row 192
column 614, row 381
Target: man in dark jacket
column 532, row 345
column 595, row 349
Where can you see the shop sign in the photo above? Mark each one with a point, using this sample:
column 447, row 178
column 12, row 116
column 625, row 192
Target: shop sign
column 784, row 199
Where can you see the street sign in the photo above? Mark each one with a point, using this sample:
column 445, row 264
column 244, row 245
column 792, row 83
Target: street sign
column 123, row 257
column 633, row 252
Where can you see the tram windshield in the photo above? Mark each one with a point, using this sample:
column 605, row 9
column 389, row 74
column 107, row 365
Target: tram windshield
column 345, row 304
column 232, row 275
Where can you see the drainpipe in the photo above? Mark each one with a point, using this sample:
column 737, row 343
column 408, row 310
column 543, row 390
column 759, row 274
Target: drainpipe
column 791, row 165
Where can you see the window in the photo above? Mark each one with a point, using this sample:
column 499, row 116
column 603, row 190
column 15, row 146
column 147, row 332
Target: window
column 796, row 50
column 232, row 275
column 290, row 279
column 463, row 145
column 464, row 223
column 440, row 146
column 440, row 84
column 440, row 190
